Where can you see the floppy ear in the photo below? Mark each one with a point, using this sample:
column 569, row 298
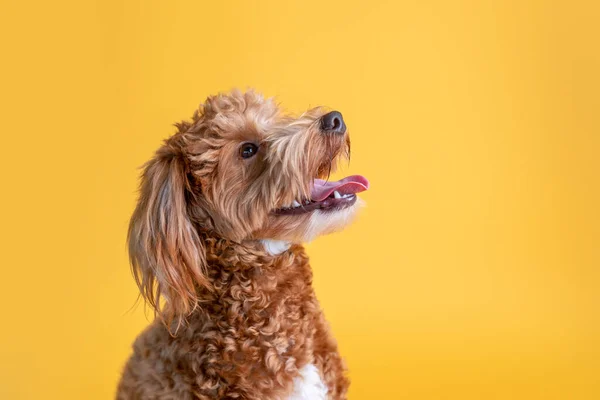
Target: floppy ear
column 167, row 256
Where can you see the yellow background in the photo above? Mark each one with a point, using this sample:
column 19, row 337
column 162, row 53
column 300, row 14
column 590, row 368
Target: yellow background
column 473, row 273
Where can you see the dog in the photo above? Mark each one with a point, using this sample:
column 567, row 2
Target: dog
column 215, row 248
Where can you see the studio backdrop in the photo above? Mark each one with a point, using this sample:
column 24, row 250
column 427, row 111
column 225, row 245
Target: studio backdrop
column 473, row 272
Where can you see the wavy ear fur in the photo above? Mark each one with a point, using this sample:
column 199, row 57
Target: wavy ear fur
column 167, row 256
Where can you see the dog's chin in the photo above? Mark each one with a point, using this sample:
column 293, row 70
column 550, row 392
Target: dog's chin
column 303, row 227
column 324, row 222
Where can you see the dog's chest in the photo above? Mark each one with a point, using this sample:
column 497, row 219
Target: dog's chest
column 309, row 385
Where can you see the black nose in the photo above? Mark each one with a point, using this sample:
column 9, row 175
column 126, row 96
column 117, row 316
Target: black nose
column 333, row 122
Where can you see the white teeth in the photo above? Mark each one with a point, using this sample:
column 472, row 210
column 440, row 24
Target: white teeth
column 337, row 195
column 295, row 204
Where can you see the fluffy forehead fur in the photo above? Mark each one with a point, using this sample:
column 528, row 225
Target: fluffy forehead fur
column 199, row 182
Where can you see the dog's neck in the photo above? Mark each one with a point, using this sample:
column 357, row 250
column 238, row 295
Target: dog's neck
column 246, row 276
column 251, row 267
column 264, row 252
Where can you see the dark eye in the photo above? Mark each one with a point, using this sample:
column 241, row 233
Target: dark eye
column 248, row 150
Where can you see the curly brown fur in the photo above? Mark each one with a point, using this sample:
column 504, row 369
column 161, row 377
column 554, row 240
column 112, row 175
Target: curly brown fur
column 233, row 320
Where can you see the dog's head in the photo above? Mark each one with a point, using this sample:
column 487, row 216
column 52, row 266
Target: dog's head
column 244, row 171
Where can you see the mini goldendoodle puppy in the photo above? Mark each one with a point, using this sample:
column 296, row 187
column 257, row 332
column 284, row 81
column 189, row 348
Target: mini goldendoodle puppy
column 215, row 249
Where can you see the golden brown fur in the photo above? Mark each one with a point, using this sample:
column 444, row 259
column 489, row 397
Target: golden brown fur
column 233, row 320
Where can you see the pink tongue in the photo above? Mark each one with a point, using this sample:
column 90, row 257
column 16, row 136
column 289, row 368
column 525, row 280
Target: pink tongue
column 350, row 185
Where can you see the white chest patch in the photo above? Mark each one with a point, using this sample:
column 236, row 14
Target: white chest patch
column 309, row 386
column 274, row 247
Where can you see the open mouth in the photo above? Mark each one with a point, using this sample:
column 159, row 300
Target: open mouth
column 328, row 196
